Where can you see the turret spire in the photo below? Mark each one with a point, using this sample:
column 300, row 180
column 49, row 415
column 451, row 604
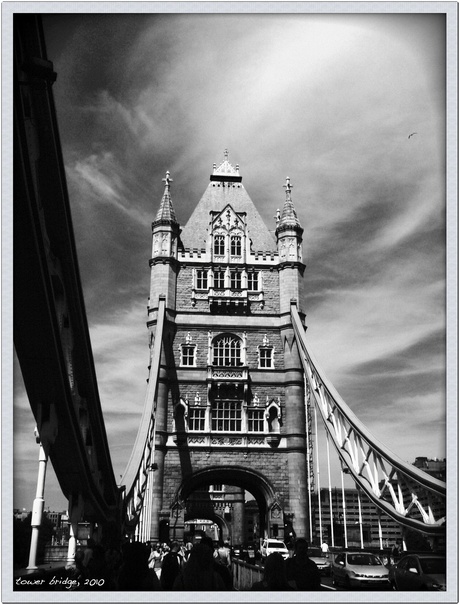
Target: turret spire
column 288, row 215
column 166, row 209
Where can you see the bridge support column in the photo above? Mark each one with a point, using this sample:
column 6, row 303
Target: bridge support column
column 157, row 496
column 296, row 436
column 45, row 433
column 38, row 506
column 159, row 452
column 177, row 522
column 75, row 513
column 238, row 533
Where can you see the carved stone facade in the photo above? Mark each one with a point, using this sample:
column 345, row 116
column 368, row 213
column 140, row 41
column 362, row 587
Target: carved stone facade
column 230, row 403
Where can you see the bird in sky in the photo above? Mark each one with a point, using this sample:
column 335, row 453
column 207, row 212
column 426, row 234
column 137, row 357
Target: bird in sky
column 411, row 135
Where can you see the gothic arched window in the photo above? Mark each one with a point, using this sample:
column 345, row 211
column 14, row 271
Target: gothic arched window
column 235, row 245
column 226, row 351
column 219, row 245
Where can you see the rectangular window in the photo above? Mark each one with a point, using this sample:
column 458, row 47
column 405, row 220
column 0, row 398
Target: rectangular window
column 265, row 357
column 201, row 280
column 226, row 416
column 255, row 421
column 216, row 488
column 253, row 281
column 235, row 280
column 196, row 418
column 219, row 245
column 188, row 355
column 219, row 279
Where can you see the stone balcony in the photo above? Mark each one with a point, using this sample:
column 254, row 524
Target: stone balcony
column 228, row 296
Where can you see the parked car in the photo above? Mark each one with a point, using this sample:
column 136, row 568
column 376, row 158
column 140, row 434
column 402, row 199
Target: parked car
column 357, row 569
column 419, row 572
column 273, row 545
column 322, row 560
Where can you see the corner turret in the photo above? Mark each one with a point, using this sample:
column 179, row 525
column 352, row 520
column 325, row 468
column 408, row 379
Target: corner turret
column 289, row 240
column 163, row 263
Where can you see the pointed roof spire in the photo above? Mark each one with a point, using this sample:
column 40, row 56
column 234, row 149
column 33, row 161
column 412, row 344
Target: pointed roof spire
column 288, row 215
column 166, row 210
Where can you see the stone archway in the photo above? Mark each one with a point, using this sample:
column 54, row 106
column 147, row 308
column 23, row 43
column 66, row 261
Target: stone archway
column 270, row 509
column 224, row 530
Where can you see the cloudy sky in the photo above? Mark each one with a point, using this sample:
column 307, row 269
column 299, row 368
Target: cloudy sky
column 330, row 101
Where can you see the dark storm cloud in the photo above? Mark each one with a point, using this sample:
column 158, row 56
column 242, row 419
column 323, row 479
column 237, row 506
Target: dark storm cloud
column 407, row 360
column 328, row 100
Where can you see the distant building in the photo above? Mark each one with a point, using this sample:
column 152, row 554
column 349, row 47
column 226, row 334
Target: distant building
column 434, row 467
column 351, row 520
column 56, row 518
column 366, row 524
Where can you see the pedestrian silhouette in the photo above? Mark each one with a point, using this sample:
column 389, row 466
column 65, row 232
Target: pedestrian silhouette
column 170, row 567
column 198, row 573
column 302, row 572
column 135, row 573
column 221, row 566
column 275, row 577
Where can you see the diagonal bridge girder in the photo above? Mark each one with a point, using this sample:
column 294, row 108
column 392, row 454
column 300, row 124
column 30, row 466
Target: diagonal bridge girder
column 403, row 492
column 135, row 478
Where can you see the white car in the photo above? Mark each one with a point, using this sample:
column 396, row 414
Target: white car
column 353, row 569
column 271, row 545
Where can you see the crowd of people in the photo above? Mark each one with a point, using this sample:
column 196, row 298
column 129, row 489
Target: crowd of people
column 203, row 566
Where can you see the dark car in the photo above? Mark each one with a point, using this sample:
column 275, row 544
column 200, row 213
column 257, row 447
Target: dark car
column 240, row 551
column 419, row 572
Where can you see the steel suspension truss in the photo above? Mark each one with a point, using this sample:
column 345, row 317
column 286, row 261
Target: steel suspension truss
column 309, row 431
column 411, row 497
column 137, row 476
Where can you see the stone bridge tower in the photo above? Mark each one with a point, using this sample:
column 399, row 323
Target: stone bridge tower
column 230, row 401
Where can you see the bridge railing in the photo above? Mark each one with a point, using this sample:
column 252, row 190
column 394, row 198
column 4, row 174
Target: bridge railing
column 408, row 495
column 245, row 574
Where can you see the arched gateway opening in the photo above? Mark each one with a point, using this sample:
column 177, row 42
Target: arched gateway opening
column 194, row 501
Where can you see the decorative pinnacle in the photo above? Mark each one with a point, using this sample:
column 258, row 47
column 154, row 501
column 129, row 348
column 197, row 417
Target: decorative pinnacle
column 225, row 169
column 288, row 186
column 167, row 179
